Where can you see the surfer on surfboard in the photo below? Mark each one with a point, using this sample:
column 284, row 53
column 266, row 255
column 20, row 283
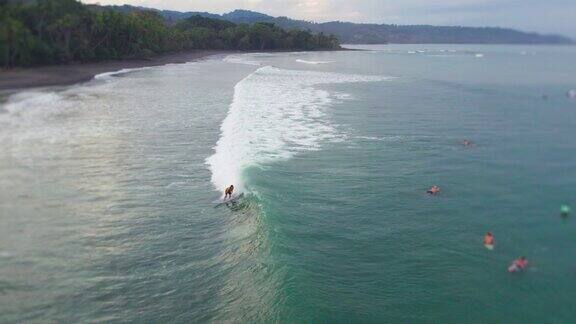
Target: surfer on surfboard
column 518, row 264
column 228, row 192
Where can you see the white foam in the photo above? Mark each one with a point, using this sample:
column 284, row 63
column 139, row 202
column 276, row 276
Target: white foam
column 241, row 59
column 313, row 62
column 108, row 75
column 33, row 106
column 478, row 55
column 274, row 114
column 342, row 96
column 388, row 138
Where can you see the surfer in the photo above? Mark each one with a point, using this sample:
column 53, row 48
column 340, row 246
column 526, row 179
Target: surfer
column 488, row 239
column 518, row 264
column 433, row 190
column 228, row 192
column 468, row 143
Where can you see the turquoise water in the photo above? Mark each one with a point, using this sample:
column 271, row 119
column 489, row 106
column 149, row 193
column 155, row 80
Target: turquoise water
column 107, row 193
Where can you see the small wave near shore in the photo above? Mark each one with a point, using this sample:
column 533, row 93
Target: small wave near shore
column 313, row 62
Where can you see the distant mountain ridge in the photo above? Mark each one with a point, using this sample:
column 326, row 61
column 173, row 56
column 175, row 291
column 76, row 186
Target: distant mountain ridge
column 354, row 33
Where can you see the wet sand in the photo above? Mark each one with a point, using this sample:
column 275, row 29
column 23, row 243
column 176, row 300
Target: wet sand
column 21, row 78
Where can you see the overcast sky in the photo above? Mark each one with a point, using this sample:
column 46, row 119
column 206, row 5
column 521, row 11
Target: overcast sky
column 545, row 16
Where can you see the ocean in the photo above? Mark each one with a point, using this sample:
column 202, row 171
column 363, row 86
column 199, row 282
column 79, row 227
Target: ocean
column 108, row 199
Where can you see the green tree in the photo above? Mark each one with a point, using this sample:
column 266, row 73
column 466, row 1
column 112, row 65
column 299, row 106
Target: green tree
column 58, row 31
column 16, row 42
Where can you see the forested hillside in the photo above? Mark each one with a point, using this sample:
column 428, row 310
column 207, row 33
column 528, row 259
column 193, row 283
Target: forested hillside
column 59, row 31
column 352, row 33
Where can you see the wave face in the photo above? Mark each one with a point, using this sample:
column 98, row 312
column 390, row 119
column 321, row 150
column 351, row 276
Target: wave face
column 274, row 114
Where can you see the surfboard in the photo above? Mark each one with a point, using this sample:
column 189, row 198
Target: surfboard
column 232, row 200
column 514, row 268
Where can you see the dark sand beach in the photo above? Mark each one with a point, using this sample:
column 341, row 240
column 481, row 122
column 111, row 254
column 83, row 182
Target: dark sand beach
column 21, row 78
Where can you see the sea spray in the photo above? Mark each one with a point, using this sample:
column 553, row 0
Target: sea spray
column 36, row 107
column 274, row 114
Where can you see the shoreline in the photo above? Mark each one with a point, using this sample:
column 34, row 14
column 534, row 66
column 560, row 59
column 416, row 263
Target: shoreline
column 16, row 79
column 61, row 75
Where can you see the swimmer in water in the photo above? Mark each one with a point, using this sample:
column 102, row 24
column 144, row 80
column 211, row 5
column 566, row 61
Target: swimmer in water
column 433, row 190
column 468, row 143
column 228, row 192
column 519, row 264
column 489, row 239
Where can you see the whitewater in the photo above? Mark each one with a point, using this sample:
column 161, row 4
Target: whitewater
column 275, row 113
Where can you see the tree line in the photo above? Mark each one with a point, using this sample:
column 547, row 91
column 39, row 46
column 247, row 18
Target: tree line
column 45, row 32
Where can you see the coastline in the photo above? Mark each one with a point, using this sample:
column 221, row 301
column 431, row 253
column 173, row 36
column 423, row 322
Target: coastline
column 61, row 75
column 20, row 78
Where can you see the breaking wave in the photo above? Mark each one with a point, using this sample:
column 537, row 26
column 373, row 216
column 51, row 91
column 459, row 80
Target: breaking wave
column 275, row 114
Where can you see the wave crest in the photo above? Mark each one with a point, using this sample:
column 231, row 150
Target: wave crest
column 274, row 114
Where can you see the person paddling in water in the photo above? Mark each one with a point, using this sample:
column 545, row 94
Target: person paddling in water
column 489, row 241
column 434, row 190
column 518, row 264
column 228, row 192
